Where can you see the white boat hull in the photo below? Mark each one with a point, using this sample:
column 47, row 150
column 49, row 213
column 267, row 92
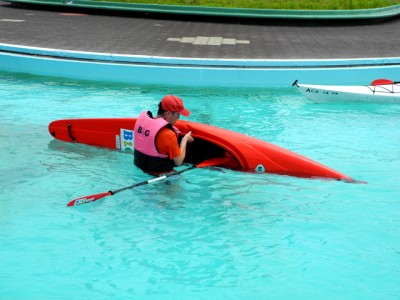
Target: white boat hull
column 385, row 93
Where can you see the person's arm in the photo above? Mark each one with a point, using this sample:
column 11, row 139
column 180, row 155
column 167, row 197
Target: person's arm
column 181, row 157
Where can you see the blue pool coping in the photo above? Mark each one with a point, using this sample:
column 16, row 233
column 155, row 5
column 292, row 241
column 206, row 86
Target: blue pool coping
column 173, row 71
column 382, row 13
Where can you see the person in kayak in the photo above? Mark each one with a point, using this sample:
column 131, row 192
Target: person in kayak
column 156, row 139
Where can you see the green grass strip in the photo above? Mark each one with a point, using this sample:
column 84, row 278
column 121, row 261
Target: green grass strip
column 276, row 4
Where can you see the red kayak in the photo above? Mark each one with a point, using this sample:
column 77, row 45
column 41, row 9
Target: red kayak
column 244, row 153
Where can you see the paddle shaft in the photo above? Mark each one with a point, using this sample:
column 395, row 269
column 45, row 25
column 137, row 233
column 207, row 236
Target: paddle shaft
column 150, row 181
column 91, row 198
column 95, row 197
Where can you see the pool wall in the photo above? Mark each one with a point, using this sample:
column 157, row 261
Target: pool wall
column 193, row 71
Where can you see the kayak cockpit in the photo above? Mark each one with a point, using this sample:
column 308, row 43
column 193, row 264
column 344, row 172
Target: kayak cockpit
column 200, row 150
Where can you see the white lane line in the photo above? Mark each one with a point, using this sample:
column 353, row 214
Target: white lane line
column 174, row 39
column 215, row 41
column 11, row 20
column 187, row 40
column 208, row 40
column 229, row 41
column 201, row 40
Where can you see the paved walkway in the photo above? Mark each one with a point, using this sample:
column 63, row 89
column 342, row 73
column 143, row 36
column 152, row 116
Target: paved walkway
column 141, row 35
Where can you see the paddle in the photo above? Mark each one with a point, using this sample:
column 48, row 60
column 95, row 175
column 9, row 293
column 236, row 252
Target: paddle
column 91, row 198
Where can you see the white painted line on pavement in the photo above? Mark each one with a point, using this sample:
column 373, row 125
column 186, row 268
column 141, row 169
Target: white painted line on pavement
column 201, row 40
column 188, row 40
column 11, row 20
column 229, row 41
column 208, row 40
column 215, row 41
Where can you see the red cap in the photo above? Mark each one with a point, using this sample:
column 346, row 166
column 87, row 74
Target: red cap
column 174, row 104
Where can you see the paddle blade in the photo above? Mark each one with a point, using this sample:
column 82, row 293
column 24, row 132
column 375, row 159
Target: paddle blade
column 87, row 199
column 359, row 181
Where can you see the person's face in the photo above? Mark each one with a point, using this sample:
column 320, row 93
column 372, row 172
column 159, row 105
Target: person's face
column 172, row 117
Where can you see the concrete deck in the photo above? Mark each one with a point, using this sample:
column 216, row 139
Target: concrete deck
column 163, row 36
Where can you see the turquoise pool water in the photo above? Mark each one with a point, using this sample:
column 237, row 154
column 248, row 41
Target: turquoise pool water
column 211, row 234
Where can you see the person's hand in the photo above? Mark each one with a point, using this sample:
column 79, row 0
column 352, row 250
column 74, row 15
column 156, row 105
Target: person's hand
column 188, row 137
